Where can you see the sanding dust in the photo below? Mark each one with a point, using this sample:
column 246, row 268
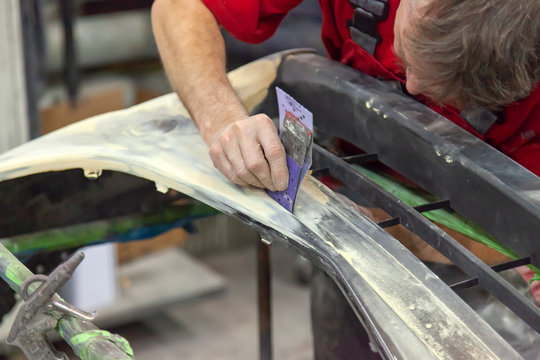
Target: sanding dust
column 313, row 189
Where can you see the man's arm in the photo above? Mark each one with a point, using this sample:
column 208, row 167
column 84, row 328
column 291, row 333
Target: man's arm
column 247, row 150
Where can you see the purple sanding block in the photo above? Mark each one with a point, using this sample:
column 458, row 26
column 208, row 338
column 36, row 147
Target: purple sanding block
column 296, row 134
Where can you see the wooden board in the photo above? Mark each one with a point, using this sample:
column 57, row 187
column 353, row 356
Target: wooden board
column 97, row 97
column 410, row 312
column 132, row 250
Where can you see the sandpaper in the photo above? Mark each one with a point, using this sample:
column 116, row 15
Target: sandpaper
column 296, row 134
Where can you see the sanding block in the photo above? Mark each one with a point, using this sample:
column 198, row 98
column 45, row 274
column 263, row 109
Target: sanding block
column 296, row 134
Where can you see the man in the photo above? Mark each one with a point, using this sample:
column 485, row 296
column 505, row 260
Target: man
column 455, row 56
column 430, row 38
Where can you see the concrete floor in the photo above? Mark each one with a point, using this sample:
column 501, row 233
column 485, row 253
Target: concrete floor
column 225, row 325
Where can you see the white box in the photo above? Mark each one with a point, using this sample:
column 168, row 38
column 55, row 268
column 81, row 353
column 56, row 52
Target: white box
column 94, row 284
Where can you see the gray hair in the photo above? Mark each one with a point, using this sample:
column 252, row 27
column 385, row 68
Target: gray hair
column 476, row 53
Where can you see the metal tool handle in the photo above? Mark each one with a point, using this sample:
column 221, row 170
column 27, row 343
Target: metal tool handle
column 44, row 310
column 40, row 349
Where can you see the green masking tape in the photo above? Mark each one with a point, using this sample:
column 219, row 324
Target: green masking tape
column 414, row 197
column 81, row 342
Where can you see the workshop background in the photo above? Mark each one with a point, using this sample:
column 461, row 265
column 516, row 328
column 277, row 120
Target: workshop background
column 187, row 293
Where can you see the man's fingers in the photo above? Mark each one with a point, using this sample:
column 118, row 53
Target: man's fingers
column 224, row 166
column 251, row 152
column 234, row 155
column 275, row 155
column 256, row 162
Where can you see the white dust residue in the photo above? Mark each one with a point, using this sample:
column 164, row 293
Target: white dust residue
column 313, row 189
column 385, row 283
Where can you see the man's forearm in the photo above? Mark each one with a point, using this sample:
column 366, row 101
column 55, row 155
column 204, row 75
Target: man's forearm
column 193, row 54
column 246, row 149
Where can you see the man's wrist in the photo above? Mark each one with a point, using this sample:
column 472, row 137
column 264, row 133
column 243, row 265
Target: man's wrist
column 211, row 125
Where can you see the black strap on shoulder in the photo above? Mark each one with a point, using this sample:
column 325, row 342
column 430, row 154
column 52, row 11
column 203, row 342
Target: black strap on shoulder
column 363, row 26
column 481, row 119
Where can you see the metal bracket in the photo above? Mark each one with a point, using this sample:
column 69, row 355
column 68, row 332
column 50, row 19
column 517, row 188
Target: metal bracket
column 41, row 310
column 264, row 299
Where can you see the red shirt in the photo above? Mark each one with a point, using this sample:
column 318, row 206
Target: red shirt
column 254, row 21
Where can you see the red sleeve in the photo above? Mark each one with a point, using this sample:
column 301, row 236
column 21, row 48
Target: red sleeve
column 251, row 21
column 523, row 145
column 528, row 156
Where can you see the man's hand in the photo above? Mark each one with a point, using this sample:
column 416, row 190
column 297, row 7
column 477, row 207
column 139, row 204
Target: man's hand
column 249, row 152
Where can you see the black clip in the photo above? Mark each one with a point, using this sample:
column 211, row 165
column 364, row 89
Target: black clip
column 480, row 119
column 367, row 14
column 365, row 21
column 366, row 41
column 378, row 8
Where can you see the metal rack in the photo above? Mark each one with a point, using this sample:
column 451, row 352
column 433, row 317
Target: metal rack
column 413, row 220
column 468, row 175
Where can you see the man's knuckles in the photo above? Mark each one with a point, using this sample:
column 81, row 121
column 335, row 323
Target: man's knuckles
column 242, row 172
column 262, row 119
column 226, row 137
column 241, row 128
column 250, row 126
column 232, row 175
column 274, row 152
column 215, row 152
column 256, row 165
column 237, row 179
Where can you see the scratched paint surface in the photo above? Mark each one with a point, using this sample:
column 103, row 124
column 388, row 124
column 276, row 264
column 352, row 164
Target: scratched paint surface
column 157, row 141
